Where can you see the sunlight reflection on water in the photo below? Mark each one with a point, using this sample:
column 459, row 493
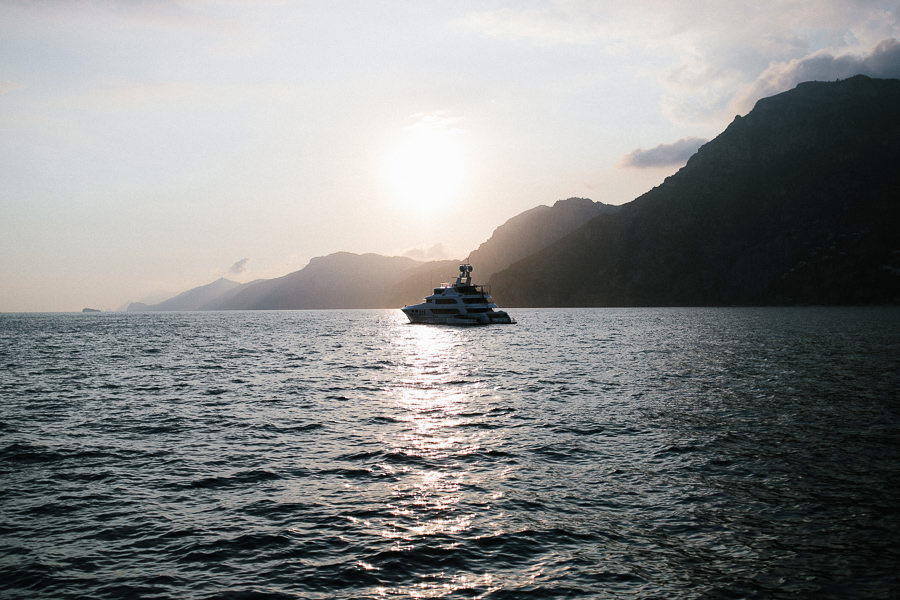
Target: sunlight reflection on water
column 432, row 398
column 641, row 453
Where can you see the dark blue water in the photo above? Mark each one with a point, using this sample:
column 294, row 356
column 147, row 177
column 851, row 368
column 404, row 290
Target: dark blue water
column 595, row 453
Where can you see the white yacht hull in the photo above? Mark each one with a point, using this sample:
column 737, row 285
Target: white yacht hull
column 418, row 313
column 458, row 303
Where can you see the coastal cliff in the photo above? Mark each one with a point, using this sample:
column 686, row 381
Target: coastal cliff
column 795, row 203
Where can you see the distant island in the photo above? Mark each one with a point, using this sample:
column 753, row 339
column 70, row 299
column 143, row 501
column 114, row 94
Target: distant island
column 794, row 203
column 90, row 310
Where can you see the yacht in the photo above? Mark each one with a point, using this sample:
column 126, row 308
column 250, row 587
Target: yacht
column 457, row 303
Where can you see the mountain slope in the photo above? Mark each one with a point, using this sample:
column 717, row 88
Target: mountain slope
column 794, row 203
column 531, row 231
column 419, row 281
column 345, row 280
column 340, row 280
column 193, row 299
column 520, row 236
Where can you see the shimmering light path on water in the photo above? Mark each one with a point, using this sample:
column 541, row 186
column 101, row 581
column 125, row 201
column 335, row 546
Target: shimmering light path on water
column 595, row 453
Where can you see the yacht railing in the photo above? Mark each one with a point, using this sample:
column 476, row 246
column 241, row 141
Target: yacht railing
column 481, row 287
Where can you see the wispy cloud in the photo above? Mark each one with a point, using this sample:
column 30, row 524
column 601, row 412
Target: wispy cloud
column 218, row 28
column 435, row 121
column 130, row 95
column 9, row 86
column 708, row 56
column 238, row 267
column 883, row 61
column 664, row 155
column 435, row 252
column 548, row 26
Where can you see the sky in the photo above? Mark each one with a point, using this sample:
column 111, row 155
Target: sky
column 147, row 147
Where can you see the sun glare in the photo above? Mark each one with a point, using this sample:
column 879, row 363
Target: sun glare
column 426, row 167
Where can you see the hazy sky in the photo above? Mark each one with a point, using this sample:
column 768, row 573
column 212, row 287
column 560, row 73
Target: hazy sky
column 147, row 147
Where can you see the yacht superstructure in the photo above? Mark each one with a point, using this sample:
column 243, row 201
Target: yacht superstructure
column 458, row 303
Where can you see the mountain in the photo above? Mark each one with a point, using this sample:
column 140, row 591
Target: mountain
column 193, row 299
column 794, row 203
column 419, row 281
column 533, row 230
column 345, row 280
column 518, row 237
column 797, row 202
column 340, row 280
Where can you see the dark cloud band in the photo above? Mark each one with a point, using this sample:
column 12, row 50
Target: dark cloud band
column 664, row 155
column 882, row 62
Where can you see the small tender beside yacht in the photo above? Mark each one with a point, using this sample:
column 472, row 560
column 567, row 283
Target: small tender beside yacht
column 458, row 303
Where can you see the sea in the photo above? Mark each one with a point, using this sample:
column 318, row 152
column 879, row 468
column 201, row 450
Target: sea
column 581, row 453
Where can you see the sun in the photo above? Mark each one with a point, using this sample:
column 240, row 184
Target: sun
column 425, row 168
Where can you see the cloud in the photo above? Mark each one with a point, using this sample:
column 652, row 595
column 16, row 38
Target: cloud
column 9, row 86
column 664, row 155
column 436, row 252
column 216, row 28
column 438, row 121
column 707, row 56
column 548, row 26
column 239, row 267
column 883, row 61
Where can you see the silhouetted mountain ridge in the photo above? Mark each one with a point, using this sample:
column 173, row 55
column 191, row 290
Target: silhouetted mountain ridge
column 194, row 299
column 515, row 239
column 533, row 230
column 346, row 280
column 794, row 203
column 339, row 280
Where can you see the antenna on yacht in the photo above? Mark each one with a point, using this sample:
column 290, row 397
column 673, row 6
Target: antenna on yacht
column 465, row 275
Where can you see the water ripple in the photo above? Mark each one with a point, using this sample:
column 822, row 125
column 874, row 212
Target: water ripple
column 639, row 453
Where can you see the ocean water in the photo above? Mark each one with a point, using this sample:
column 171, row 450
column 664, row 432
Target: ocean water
column 589, row 453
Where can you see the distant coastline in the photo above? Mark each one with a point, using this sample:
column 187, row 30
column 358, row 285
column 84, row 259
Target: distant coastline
column 772, row 212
